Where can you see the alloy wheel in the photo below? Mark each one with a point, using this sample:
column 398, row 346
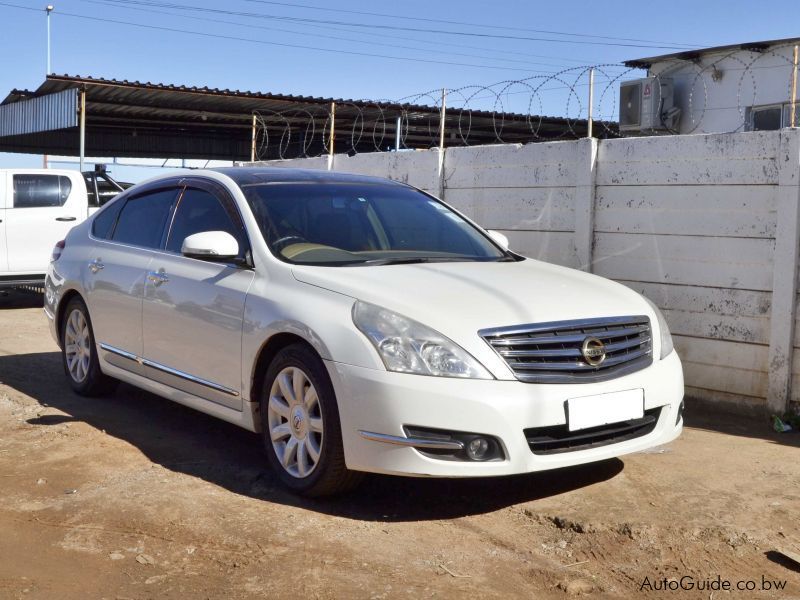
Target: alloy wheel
column 77, row 345
column 294, row 417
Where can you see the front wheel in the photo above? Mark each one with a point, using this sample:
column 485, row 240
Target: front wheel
column 79, row 354
column 300, row 425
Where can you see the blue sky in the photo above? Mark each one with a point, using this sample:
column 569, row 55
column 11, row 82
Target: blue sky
column 355, row 61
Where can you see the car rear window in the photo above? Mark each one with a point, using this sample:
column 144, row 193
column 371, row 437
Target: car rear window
column 103, row 224
column 143, row 219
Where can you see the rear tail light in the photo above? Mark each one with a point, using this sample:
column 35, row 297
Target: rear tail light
column 57, row 250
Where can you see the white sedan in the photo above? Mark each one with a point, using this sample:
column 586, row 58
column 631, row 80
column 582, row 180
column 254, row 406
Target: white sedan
column 360, row 325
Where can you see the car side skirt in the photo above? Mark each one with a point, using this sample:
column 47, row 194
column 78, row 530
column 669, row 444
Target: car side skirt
column 246, row 418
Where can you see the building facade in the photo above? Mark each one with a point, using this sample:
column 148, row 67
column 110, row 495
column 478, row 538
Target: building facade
column 743, row 87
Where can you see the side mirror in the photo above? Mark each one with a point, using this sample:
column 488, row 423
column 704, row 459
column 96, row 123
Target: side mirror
column 498, row 237
column 211, row 245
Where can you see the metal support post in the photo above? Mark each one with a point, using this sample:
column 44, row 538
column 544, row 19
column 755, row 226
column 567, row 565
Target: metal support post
column 397, row 133
column 442, row 116
column 330, row 142
column 82, row 109
column 441, row 120
column 253, row 140
column 793, row 117
column 591, row 103
column 48, row 9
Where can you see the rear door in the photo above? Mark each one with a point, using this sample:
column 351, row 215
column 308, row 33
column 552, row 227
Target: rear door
column 194, row 309
column 127, row 233
column 41, row 208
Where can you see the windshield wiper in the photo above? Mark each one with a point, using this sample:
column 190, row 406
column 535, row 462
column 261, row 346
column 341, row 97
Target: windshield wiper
column 413, row 260
column 408, row 260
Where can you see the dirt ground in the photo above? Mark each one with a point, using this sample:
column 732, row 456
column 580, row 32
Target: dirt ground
column 132, row 496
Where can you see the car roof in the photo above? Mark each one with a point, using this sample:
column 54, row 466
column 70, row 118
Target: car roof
column 256, row 175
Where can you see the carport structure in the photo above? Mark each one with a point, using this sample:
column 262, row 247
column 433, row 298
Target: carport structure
column 79, row 116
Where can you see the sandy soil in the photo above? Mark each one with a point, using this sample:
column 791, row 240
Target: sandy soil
column 131, row 496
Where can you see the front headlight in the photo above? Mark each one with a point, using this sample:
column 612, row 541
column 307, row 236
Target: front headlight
column 663, row 328
column 406, row 346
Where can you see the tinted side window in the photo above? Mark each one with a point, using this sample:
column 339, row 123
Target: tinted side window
column 143, row 218
column 103, row 223
column 35, row 191
column 199, row 211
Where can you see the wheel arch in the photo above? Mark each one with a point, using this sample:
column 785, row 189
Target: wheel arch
column 268, row 351
column 63, row 302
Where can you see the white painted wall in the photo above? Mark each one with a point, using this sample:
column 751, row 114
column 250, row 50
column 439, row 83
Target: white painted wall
column 747, row 79
column 704, row 225
column 689, row 221
column 526, row 192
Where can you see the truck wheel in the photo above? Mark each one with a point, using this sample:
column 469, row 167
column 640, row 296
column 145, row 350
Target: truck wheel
column 79, row 353
column 300, row 425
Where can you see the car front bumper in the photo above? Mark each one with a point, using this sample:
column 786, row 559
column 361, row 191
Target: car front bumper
column 384, row 403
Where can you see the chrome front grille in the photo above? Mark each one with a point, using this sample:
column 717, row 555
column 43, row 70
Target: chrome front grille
column 554, row 352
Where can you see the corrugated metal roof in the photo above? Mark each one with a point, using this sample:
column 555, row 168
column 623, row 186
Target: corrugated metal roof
column 145, row 119
column 42, row 113
column 15, row 95
column 128, row 89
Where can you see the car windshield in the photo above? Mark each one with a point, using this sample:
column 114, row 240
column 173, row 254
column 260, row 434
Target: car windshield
column 355, row 224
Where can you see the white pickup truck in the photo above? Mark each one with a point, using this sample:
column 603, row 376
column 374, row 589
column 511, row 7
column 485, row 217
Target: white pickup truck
column 37, row 209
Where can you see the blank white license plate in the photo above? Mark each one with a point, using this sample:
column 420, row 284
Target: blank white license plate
column 602, row 409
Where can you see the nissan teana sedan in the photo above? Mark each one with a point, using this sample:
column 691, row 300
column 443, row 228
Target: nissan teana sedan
column 360, row 325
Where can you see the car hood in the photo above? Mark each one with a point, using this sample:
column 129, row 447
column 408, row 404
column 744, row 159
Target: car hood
column 459, row 299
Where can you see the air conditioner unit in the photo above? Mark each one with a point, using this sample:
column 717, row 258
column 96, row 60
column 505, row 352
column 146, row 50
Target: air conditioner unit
column 647, row 105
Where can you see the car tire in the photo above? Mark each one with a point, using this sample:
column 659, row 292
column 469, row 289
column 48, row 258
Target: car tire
column 300, row 425
column 79, row 353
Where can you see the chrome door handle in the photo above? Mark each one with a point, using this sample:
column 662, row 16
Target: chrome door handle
column 157, row 277
column 96, row 265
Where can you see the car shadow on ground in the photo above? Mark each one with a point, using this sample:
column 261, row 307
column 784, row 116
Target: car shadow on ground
column 757, row 426
column 189, row 442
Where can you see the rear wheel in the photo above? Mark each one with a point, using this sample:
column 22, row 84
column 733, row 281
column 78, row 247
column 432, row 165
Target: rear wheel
column 79, row 354
column 300, row 425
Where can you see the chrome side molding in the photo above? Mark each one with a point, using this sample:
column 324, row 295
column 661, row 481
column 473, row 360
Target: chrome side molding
column 119, row 352
column 412, row 442
column 170, row 371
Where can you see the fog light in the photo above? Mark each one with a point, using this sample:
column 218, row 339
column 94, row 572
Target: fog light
column 478, row 448
column 475, row 447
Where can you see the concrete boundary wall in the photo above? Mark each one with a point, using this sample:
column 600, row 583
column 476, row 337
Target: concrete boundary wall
column 707, row 226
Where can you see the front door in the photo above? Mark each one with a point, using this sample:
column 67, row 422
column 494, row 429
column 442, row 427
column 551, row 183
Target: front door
column 41, row 209
column 193, row 309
